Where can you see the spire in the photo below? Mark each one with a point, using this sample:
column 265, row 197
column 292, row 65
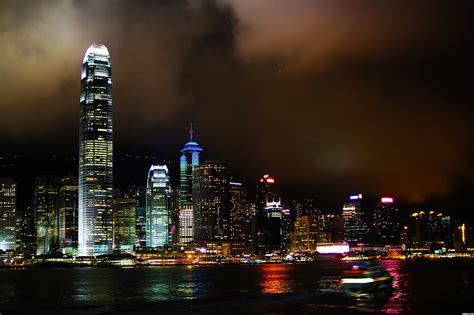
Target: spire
column 191, row 132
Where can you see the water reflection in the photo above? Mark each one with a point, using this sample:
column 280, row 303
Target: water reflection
column 274, row 279
column 397, row 304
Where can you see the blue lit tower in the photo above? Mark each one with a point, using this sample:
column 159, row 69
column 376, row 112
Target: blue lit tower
column 95, row 153
column 158, row 218
column 188, row 160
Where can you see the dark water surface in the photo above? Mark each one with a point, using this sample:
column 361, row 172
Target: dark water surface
column 420, row 287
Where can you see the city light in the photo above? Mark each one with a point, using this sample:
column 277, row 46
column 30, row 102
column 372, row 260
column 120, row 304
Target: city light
column 386, row 200
column 332, row 248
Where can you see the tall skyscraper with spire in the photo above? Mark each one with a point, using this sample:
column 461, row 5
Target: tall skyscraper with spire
column 188, row 160
column 95, row 153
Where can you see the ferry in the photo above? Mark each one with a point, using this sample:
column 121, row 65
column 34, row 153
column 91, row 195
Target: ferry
column 368, row 278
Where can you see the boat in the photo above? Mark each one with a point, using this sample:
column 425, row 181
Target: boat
column 365, row 278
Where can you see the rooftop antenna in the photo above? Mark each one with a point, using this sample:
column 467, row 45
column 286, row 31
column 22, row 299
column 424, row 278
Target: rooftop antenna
column 191, row 132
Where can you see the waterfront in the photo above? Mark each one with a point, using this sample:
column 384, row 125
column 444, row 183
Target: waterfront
column 420, row 286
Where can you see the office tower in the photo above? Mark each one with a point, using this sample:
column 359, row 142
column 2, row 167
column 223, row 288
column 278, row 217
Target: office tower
column 237, row 210
column 335, row 226
column 8, row 191
column 309, row 207
column 140, row 226
column 174, row 215
column 46, row 205
column 68, row 214
column 385, row 228
column 268, row 234
column 186, row 224
column 95, row 153
column 286, row 228
column 188, row 160
column 27, row 229
column 306, row 234
column 124, row 223
column 211, row 216
column 356, row 221
column 158, row 207
column 426, row 228
column 138, row 193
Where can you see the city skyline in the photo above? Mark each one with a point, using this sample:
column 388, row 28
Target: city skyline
column 389, row 96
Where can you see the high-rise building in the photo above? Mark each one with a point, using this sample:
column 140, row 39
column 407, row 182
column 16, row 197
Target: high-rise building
column 186, row 224
column 356, row 221
column 8, row 191
column 95, row 153
column 46, row 207
column 385, row 228
column 306, row 234
column 335, row 226
column 174, row 215
column 68, row 214
column 140, row 226
column 188, row 160
column 426, row 228
column 210, row 207
column 27, row 231
column 124, row 222
column 158, row 207
column 238, row 209
column 268, row 233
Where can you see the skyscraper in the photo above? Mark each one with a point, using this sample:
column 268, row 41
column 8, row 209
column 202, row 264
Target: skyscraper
column 158, row 207
column 46, row 208
column 356, row 223
column 268, row 234
column 210, row 207
column 95, row 153
column 124, row 223
column 7, row 213
column 186, row 224
column 238, row 209
column 386, row 223
column 68, row 213
column 188, row 160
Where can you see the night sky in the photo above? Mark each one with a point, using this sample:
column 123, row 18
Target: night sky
column 331, row 97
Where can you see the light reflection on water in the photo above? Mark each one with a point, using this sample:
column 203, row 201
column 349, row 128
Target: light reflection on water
column 274, row 279
column 416, row 285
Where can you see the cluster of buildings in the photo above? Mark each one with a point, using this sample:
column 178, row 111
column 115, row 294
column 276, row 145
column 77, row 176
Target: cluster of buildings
column 86, row 216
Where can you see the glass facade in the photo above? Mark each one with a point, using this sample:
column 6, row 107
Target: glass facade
column 7, row 213
column 68, row 213
column 188, row 160
column 95, row 153
column 46, row 207
column 186, row 224
column 210, row 207
column 124, row 223
column 158, row 207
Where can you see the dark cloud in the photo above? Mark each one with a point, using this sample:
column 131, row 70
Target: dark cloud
column 331, row 96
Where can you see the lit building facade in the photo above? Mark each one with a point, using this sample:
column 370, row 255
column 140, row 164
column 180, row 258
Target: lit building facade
column 356, row 221
column 188, row 160
column 8, row 194
column 210, row 207
column 140, row 226
column 68, row 214
column 238, row 209
column 186, row 234
column 96, row 153
column 158, row 207
column 306, row 234
column 268, row 234
column 124, row 223
column 46, row 208
column 385, row 228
